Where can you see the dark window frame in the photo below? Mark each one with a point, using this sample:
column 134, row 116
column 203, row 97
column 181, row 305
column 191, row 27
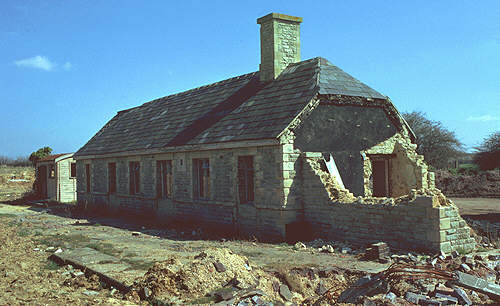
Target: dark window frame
column 72, row 170
column 201, row 178
column 246, row 179
column 87, row 177
column 134, row 168
column 112, row 178
column 52, row 171
column 164, row 179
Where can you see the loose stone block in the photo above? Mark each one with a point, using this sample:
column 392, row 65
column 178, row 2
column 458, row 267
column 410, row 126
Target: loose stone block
column 444, row 223
column 445, row 247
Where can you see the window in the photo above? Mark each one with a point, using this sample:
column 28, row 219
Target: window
column 134, row 177
column 245, row 179
column 72, row 170
column 164, row 178
column 87, row 176
column 52, row 171
column 201, row 178
column 112, row 178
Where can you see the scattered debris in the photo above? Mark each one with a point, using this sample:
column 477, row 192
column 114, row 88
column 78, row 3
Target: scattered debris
column 90, row 292
column 378, row 251
column 299, row 246
column 478, row 284
column 327, row 249
column 285, row 292
column 219, row 266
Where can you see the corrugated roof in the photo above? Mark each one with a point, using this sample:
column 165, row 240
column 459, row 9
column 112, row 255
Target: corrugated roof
column 240, row 108
column 51, row 157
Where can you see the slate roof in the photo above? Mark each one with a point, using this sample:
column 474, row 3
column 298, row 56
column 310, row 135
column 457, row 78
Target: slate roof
column 239, row 108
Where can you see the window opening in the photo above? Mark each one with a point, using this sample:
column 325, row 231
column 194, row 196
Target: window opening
column 112, row 178
column 164, row 178
column 245, row 179
column 201, row 178
column 72, row 172
column 134, row 177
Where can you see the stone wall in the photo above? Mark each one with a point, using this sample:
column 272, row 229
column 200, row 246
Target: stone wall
column 415, row 222
column 276, row 201
column 407, row 169
column 279, row 43
column 345, row 131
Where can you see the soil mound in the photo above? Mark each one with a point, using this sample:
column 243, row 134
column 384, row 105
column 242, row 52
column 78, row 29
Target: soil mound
column 484, row 184
column 210, row 270
column 219, row 274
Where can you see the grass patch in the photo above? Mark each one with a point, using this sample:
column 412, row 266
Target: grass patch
column 50, row 265
column 23, row 232
column 105, row 248
column 205, row 300
column 76, row 240
column 138, row 264
column 252, row 253
column 4, row 215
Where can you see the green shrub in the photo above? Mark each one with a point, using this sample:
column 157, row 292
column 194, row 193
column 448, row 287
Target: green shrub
column 468, row 169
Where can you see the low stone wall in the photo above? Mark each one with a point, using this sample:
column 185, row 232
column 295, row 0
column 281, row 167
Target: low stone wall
column 429, row 223
column 420, row 224
column 247, row 220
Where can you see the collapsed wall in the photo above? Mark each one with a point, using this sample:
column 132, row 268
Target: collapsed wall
column 422, row 220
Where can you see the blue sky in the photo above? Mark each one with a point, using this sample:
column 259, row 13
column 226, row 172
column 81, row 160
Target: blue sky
column 67, row 67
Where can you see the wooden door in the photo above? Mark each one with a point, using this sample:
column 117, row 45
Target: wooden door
column 42, row 181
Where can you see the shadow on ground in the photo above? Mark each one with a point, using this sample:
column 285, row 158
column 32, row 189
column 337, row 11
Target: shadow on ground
column 181, row 231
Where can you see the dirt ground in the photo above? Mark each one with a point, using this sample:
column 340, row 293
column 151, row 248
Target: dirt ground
column 478, row 206
column 35, row 232
column 15, row 182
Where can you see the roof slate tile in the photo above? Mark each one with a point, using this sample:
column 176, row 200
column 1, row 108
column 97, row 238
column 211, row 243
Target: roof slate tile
column 264, row 114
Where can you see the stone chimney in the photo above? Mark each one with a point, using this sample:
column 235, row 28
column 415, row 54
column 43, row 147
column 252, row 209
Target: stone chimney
column 279, row 44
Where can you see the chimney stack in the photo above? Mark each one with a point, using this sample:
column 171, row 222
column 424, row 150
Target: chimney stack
column 279, row 44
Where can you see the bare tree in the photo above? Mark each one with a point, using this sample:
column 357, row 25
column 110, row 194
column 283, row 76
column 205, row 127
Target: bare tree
column 488, row 153
column 437, row 144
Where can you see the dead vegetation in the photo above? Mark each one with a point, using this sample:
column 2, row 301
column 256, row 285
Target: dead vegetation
column 15, row 182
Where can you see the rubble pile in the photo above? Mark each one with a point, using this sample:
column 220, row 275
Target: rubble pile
column 335, row 192
column 220, row 276
column 487, row 234
column 209, row 272
column 338, row 194
column 425, row 280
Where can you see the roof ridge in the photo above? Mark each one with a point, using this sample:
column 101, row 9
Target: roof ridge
column 191, row 90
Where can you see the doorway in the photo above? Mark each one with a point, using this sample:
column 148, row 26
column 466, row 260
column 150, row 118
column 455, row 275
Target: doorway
column 380, row 175
column 42, row 181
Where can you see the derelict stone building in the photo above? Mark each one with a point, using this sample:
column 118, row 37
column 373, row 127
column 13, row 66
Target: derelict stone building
column 297, row 142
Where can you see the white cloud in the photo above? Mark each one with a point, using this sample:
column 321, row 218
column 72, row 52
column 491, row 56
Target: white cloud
column 38, row 62
column 483, row 118
column 41, row 62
